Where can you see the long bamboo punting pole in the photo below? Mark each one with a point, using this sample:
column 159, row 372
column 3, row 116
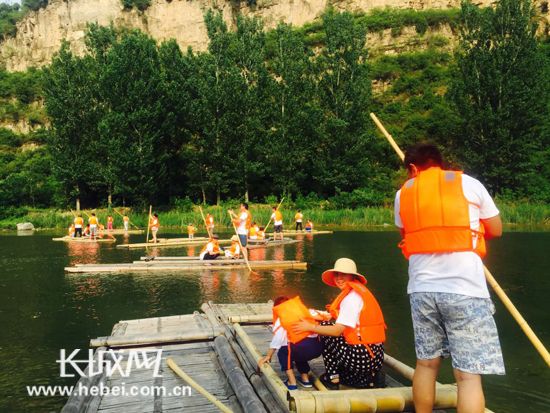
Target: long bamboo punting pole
column 205, row 224
column 492, row 282
column 149, row 222
column 278, row 206
column 128, row 220
column 197, row 387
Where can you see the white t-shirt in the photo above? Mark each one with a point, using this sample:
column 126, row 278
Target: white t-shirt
column 275, row 221
column 209, row 248
column 280, row 338
column 455, row 272
column 241, row 229
column 350, row 309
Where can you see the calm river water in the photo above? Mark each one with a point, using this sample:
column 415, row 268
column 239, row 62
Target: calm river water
column 43, row 309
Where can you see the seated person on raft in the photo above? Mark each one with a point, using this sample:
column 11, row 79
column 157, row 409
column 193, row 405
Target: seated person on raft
column 353, row 351
column 298, row 348
column 211, row 250
column 235, row 251
column 309, row 225
column 261, row 234
column 253, row 232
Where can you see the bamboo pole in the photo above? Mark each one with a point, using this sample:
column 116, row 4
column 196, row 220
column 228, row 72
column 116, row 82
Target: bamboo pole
column 240, row 243
column 197, row 387
column 149, row 222
column 492, row 282
column 272, row 378
column 205, row 223
column 278, row 206
column 128, row 220
column 188, row 335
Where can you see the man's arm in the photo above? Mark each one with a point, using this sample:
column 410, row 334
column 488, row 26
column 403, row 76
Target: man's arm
column 493, row 227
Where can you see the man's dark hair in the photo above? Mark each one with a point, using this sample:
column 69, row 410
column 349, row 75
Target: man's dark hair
column 423, row 156
column 245, row 205
column 279, row 300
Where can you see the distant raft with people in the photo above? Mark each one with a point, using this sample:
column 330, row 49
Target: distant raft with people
column 84, row 239
column 172, row 242
column 266, row 243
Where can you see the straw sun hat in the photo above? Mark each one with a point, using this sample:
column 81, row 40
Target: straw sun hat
column 345, row 266
column 234, row 238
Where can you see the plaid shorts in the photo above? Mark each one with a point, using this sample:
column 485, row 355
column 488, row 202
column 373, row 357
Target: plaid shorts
column 459, row 326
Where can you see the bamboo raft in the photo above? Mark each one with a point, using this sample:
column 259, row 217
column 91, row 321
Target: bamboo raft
column 221, row 356
column 254, row 244
column 172, row 242
column 84, row 239
column 290, row 232
column 183, row 265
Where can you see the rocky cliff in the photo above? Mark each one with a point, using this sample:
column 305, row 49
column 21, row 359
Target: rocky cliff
column 39, row 34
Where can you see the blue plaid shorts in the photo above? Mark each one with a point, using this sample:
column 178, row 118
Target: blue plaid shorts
column 459, row 326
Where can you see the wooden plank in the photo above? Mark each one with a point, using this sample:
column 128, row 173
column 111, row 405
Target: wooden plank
column 84, row 240
column 172, row 243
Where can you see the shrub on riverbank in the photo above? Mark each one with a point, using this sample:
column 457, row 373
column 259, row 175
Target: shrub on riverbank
column 511, row 213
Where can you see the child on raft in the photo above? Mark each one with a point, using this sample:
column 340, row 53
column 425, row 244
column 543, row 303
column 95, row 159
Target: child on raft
column 297, row 348
column 234, row 252
column 353, row 350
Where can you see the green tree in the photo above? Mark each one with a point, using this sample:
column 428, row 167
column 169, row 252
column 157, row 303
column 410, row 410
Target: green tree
column 500, row 90
column 69, row 86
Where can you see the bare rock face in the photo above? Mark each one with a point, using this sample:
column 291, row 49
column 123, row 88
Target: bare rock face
column 40, row 33
column 25, row 226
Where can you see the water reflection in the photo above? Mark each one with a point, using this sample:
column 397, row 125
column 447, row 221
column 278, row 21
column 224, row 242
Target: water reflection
column 83, row 252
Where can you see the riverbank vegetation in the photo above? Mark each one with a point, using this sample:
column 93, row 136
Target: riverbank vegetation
column 285, row 112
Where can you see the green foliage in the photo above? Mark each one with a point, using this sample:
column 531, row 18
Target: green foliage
column 9, row 15
column 20, row 96
column 501, row 90
column 34, row 5
column 141, row 5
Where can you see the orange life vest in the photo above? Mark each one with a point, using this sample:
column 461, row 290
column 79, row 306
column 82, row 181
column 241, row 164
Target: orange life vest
column 235, row 248
column 86, row 230
column 191, row 229
column 290, row 313
column 125, row 219
column 92, row 221
column 71, row 230
column 309, row 224
column 261, row 234
column 110, row 219
column 298, row 216
column 79, row 221
column 254, row 230
column 215, row 247
column 278, row 215
column 210, row 220
column 248, row 220
column 436, row 215
column 154, row 223
column 371, row 328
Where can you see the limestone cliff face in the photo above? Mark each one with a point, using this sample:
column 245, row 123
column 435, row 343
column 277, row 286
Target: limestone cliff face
column 40, row 33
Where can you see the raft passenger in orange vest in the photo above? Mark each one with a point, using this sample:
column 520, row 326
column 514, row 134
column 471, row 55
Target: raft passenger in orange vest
column 110, row 222
column 126, row 221
column 299, row 217
column 261, row 234
column 86, row 231
column 191, row 230
column 71, row 231
column 309, row 225
column 253, row 232
column 209, row 223
column 353, row 350
column 444, row 218
column 154, row 225
column 298, row 348
column 243, row 222
column 211, row 250
column 235, row 250
column 93, row 225
column 78, row 223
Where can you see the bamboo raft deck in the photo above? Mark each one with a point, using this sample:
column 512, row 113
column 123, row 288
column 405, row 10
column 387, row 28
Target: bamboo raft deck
column 172, row 242
column 221, row 356
column 254, row 244
column 183, row 265
column 83, row 239
column 291, row 232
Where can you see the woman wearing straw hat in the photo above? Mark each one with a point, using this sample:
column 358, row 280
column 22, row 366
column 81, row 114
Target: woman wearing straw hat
column 353, row 350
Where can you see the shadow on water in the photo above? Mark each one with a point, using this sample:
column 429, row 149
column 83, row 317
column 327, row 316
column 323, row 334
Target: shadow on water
column 43, row 309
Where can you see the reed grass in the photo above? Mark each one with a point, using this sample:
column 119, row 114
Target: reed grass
column 511, row 213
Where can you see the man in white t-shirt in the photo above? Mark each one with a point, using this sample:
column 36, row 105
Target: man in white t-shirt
column 438, row 214
column 243, row 222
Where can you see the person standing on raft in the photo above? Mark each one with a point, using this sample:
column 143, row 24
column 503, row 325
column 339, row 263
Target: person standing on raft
column 93, row 225
column 109, row 222
column 299, row 217
column 444, row 241
column 191, row 230
column 78, row 223
column 277, row 218
column 299, row 348
column 154, row 225
column 209, row 223
column 243, row 222
column 126, row 221
column 353, row 350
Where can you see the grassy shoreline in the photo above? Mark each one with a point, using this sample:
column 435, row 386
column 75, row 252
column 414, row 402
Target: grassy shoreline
column 512, row 214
